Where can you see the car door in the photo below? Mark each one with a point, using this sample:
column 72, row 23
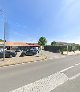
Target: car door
column 7, row 54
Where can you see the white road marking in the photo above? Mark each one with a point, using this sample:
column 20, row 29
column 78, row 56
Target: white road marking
column 66, row 69
column 49, row 83
column 29, row 62
column 77, row 64
column 44, row 85
column 23, row 63
column 69, row 67
column 74, row 77
column 35, row 61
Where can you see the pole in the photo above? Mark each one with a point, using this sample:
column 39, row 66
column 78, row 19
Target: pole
column 67, row 49
column 4, row 42
column 4, row 34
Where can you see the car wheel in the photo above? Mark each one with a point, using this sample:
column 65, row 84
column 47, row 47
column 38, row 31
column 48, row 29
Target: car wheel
column 22, row 55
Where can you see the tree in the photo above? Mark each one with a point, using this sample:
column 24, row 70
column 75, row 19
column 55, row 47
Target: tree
column 1, row 40
column 42, row 41
column 73, row 47
column 53, row 43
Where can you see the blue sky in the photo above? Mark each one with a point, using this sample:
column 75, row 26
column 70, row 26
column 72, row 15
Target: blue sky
column 28, row 20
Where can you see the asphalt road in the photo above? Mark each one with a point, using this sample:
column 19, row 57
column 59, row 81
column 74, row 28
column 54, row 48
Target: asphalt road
column 64, row 73
column 69, row 86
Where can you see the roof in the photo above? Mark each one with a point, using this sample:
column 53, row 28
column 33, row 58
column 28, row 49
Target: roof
column 18, row 44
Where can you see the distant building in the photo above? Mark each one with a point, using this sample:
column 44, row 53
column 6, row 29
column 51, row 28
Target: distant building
column 65, row 44
column 20, row 45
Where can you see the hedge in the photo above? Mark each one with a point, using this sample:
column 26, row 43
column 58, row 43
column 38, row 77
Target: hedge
column 56, row 49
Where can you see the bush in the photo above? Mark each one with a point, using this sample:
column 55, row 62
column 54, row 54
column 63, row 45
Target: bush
column 57, row 49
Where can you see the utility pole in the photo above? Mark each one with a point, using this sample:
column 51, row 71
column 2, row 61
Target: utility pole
column 4, row 33
column 4, row 41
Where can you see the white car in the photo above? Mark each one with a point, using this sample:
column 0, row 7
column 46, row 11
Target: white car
column 2, row 50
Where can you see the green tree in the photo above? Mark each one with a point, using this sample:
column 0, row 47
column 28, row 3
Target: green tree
column 42, row 41
column 53, row 43
column 73, row 47
column 1, row 40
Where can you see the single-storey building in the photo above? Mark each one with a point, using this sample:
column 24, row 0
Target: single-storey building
column 20, row 45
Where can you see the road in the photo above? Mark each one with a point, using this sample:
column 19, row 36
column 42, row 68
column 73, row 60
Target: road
column 58, row 75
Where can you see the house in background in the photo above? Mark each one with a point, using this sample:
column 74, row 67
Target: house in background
column 19, row 45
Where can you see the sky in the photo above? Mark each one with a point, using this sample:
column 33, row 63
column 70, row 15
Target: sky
column 28, row 20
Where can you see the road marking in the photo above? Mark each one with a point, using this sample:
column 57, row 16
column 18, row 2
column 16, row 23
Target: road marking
column 49, row 83
column 77, row 64
column 44, row 85
column 69, row 67
column 23, row 63
column 35, row 61
column 74, row 77
column 66, row 69
column 29, row 62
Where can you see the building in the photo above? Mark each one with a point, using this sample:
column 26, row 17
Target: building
column 20, row 45
column 65, row 44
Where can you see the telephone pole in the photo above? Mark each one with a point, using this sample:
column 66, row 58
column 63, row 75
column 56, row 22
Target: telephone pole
column 4, row 33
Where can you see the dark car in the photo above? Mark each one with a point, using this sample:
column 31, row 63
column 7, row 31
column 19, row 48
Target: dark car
column 17, row 50
column 29, row 52
column 8, row 54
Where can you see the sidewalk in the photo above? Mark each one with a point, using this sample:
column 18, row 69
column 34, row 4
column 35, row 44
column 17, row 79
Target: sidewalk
column 51, row 55
column 71, row 53
column 20, row 60
column 43, row 55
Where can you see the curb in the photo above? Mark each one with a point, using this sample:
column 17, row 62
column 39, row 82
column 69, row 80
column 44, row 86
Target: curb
column 19, row 63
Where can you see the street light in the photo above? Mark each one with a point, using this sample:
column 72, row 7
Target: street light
column 4, row 34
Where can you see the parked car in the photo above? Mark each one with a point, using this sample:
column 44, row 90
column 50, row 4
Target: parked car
column 17, row 50
column 34, row 50
column 29, row 52
column 8, row 54
column 2, row 50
